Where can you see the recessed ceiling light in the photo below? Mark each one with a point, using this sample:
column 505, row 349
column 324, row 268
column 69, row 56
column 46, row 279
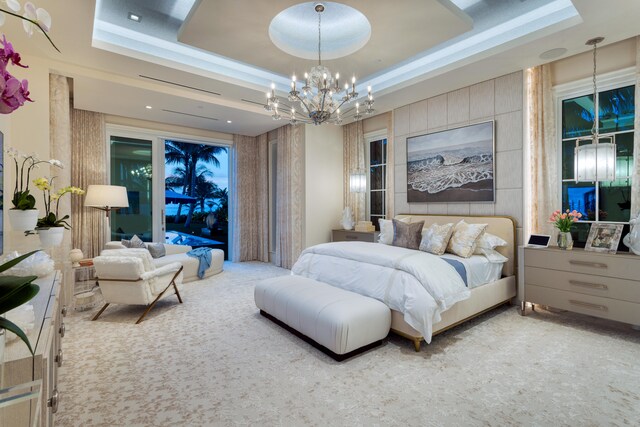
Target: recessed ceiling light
column 148, row 107
column 134, row 17
column 229, row 121
column 553, row 53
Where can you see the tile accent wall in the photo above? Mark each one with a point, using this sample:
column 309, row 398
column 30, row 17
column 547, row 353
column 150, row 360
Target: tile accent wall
column 499, row 99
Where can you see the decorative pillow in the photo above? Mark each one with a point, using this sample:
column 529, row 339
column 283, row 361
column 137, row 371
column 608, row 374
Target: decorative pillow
column 407, row 235
column 464, row 238
column 488, row 241
column 126, row 243
column 134, row 243
column 156, row 250
column 493, row 256
column 386, row 230
column 435, row 238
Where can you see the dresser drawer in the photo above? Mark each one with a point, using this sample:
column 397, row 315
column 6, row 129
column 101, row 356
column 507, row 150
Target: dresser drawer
column 592, row 263
column 621, row 311
column 353, row 236
column 609, row 287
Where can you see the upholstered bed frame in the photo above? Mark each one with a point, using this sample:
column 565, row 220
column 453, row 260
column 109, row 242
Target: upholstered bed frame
column 483, row 298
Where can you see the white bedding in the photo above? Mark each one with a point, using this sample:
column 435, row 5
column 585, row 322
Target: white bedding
column 480, row 270
column 418, row 284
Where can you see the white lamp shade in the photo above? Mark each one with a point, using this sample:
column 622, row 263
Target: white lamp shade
column 357, row 182
column 595, row 162
column 106, row 196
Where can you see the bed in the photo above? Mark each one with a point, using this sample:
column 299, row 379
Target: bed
column 450, row 308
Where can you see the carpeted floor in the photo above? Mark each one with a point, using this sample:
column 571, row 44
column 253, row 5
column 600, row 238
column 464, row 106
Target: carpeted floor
column 215, row 361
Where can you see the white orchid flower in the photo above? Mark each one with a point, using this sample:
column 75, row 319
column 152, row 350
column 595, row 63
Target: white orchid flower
column 14, row 5
column 38, row 15
column 54, row 162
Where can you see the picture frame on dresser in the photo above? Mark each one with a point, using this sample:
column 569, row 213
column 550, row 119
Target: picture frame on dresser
column 604, row 237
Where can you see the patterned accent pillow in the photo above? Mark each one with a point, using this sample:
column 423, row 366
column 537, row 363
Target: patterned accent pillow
column 156, row 250
column 407, row 235
column 464, row 238
column 488, row 241
column 436, row 237
column 386, row 230
column 136, row 242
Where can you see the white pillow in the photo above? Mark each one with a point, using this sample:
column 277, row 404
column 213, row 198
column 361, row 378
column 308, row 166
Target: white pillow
column 464, row 238
column 435, row 238
column 493, row 256
column 488, row 241
column 386, row 230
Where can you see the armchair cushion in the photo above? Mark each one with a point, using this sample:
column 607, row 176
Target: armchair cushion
column 142, row 254
column 119, row 267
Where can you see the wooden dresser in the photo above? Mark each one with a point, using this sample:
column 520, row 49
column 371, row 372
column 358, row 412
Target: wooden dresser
column 598, row 284
column 354, row 236
column 21, row 367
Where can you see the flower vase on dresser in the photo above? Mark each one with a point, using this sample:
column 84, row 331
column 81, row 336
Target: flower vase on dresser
column 563, row 221
column 51, row 226
column 50, row 237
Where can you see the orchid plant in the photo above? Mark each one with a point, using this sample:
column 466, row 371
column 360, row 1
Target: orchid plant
column 52, row 218
column 33, row 18
column 563, row 221
column 22, row 199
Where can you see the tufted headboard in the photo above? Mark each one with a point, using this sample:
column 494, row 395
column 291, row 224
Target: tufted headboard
column 501, row 226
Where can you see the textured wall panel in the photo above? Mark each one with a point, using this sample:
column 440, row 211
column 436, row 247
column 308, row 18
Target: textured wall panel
column 437, row 112
column 458, row 106
column 509, row 93
column 482, row 100
column 509, row 131
column 509, row 169
column 418, row 113
column 401, row 121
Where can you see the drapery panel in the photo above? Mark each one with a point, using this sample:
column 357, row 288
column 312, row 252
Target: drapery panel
column 543, row 147
column 390, row 196
column 88, row 166
column 635, row 181
column 354, row 160
column 290, row 202
column 250, row 222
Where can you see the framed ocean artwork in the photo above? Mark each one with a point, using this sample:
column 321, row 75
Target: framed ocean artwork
column 453, row 165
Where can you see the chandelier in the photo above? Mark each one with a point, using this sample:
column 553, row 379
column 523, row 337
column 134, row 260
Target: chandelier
column 321, row 97
column 595, row 155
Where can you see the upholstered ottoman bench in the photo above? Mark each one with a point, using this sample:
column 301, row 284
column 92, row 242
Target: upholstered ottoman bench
column 342, row 322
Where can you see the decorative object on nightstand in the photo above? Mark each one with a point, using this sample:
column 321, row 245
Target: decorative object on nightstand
column 347, row 221
column 632, row 240
column 75, row 255
column 365, row 226
column 86, row 292
column 604, row 237
column 563, row 221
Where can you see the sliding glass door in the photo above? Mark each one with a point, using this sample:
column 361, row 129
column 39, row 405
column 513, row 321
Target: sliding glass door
column 131, row 166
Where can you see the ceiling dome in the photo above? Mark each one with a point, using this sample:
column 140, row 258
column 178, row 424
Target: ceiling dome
column 344, row 30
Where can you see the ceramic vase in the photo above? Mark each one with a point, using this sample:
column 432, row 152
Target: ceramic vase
column 565, row 241
column 50, row 237
column 23, row 220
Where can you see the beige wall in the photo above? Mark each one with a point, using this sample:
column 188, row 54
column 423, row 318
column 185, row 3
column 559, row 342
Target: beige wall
column 609, row 58
column 323, row 182
column 500, row 99
column 376, row 123
column 167, row 128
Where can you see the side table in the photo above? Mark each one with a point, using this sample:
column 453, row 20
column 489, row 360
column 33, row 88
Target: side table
column 86, row 292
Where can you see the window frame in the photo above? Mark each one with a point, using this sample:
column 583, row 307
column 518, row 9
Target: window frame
column 583, row 87
column 368, row 138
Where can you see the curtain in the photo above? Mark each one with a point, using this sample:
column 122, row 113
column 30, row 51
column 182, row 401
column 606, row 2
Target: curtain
column 635, row 182
column 354, row 159
column 543, row 149
column 88, row 166
column 390, row 196
column 290, row 188
column 250, row 199
column 60, row 147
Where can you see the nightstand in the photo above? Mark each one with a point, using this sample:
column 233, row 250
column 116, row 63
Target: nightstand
column 354, row 236
column 599, row 284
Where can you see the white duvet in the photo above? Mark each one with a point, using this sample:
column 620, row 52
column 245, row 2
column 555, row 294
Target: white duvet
column 418, row 284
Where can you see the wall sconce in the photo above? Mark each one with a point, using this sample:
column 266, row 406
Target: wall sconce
column 358, row 182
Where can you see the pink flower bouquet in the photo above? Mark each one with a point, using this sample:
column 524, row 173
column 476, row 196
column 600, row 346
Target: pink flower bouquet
column 564, row 220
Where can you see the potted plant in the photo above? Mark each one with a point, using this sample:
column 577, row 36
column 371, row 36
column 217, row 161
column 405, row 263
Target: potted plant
column 23, row 215
column 563, row 221
column 15, row 291
column 51, row 226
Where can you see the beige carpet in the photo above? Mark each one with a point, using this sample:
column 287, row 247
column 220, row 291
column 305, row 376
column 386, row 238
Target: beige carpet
column 215, row 361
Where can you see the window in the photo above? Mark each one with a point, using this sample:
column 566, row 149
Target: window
column 376, row 194
column 599, row 201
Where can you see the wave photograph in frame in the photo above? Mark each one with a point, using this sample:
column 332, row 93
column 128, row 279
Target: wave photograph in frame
column 453, row 165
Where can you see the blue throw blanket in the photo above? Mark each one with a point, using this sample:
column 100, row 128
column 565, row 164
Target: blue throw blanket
column 462, row 271
column 204, row 257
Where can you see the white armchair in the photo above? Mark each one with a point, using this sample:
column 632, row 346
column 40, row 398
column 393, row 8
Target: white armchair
column 129, row 276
